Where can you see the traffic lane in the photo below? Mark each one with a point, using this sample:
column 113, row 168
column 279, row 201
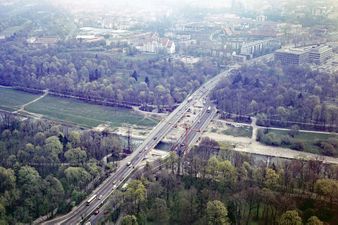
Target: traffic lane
column 137, row 159
column 140, row 158
column 198, row 125
column 175, row 116
column 196, row 128
column 87, row 209
column 198, row 118
column 190, row 139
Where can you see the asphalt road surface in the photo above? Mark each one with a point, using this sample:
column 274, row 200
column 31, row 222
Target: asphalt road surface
column 82, row 211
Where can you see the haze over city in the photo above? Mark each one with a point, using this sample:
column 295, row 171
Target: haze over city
column 180, row 112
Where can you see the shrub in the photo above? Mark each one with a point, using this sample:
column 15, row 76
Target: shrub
column 298, row 146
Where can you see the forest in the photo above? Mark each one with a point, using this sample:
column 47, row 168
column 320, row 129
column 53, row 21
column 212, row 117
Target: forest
column 90, row 70
column 281, row 96
column 68, row 69
column 45, row 166
column 219, row 187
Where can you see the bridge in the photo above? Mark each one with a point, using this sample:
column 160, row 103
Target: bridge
column 127, row 166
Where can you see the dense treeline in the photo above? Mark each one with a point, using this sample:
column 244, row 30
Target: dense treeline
column 89, row 70
column 143, row 80
column 44, row 166
column 223, row 187
column 280, row 96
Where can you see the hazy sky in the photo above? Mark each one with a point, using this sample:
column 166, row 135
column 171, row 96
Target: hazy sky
column 142, row 2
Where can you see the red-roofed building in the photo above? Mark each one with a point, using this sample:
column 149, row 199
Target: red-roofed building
column 168, row 45
column 152, row 43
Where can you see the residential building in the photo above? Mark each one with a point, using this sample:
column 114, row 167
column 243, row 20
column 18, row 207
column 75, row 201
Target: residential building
column 291, row 56
column 44, row 41
column 168, row 45
column 261, row 18
column 89, row 38
column 152, row 43
column 319, row 54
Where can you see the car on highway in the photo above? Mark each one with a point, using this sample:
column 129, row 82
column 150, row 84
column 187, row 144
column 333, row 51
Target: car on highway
column 128, row 163
column 96, row 212
column 155, row 138
column 114, row 186
column 100, row 197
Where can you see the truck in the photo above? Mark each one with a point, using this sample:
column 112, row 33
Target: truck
column 209, row 109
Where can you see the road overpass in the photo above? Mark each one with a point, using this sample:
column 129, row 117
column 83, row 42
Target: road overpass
column 83, row 210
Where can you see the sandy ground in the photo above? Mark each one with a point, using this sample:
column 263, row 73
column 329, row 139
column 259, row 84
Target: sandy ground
column 227, row 138
column 250, row 145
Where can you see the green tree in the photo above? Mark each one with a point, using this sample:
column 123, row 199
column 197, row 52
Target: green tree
column 217, row 213
column 54, row 193
column 327, row 188
column 294, row 130
column 74, row 138
column 39, row 138
column 159, row 211
column 76, row 155
column 28, row 175
column 313, row 220
column 135, row 194
column 271, row 178
column 77, row 176
column 290, row 217
column 129, row 220
column 227, row 172
column 53, row 148
column 7, row 179
column 32, row 200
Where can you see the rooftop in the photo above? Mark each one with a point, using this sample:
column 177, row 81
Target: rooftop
column 297, row 51
column 320, row 49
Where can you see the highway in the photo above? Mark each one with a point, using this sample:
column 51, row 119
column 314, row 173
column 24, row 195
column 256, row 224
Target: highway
column 82, row 211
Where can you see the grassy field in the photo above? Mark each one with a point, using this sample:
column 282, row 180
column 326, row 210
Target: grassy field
column 238, row 131
column 86, row 114
column 309, row 139
column 11, row 100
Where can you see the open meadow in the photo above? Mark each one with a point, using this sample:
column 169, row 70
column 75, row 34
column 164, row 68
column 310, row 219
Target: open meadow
column 86, row 114
column 11, row 100
column 73, row 111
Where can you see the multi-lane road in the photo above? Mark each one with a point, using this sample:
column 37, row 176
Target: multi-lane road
column 126, row 167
